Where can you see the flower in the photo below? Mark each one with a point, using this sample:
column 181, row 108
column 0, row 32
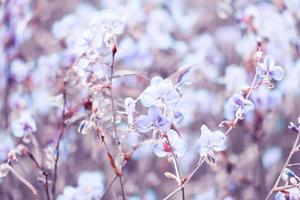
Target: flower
column 211, row 142
column 268, row 70
column 237, row 106
column 289, row 194
column 24, row 125
column 154, row 120
column 87, row 41
column 109, row 24
column 160, row 92
column 90, row 186
column 162, row 148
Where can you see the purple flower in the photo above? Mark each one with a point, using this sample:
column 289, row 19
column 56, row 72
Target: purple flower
column 162, row 148
column 154, row 120
column 237, row 106
column 211, row 142
column 268, row 70
column 160, row 92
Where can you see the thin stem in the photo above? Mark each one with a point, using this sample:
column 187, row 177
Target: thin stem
column 6, row 107
column 122, row 187
column 176, row 166
column 109, row 186
column 23, row 180
column 187, row 179
column 62, row 127
column 285, row 165
column 45, row 174
column 285, row 187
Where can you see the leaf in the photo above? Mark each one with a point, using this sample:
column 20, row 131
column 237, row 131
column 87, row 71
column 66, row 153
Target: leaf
column 4, row 169
column 172, row 176
column 178, row 76
column 123, row 73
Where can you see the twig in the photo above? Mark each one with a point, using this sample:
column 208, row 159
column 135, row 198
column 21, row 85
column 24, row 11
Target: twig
column 62, row 127
column 45, row 174
column 109, row 186
column 177, row 169
column 187, row 179
column 22, row 179
column 285, row 165
column 116, row 137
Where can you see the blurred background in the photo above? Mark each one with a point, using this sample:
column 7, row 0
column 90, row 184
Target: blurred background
column 220, row 36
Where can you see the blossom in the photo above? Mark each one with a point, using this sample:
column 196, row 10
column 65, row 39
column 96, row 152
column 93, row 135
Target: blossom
column 24, row 125
column 162, row 148
column 87, row 41
column 211, row 142
column 289, row 194
column 154, row 120
column 268, row 70
column 160, row 92
column 237, row 106
column 109, row 24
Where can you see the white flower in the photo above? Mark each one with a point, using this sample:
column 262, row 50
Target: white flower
column 108, row 21
column 160, row 92
column 211, row 142
column 24, row 125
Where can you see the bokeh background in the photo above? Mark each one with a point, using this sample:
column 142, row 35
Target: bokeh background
column 220, row 36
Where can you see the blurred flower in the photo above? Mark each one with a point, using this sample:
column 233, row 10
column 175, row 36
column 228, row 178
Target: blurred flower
column 271, row 156
column 267, row 100
column 154, row 120
column 289, row 194
column 109, row 24
column 6, row 145
column 90, row 186
column 24, row 125
column 237, row 106
column 268, row 70
column 160, row 92
column 211, row 142
column 162, row 148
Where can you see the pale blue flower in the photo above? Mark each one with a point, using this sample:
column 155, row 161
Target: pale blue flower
column 211, row 142
column 154, row 120
column 237, row 103
column 268, row 70
column 160, row 92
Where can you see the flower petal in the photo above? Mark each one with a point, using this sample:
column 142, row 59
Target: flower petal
column 143, row 124
column 277, row 73
column 158, row 149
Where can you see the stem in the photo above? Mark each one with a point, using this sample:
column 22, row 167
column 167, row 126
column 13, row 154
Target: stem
column 122, row 187
column 23, row 180
column 45, row 174
column 109, row 186
column 62, row 127
column 6, row 110
column 187, row 179
column 116, row 137
column 176, row 166
column 285, row 165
